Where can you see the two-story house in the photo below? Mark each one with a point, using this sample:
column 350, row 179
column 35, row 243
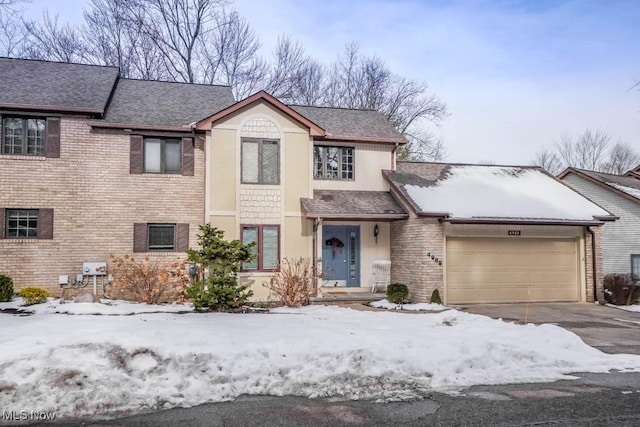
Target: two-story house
column 303, row 181
column 620, row 195
column 94, row 165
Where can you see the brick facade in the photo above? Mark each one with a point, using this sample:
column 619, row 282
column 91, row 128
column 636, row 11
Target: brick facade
column 597, row 232
column 411, row 241
column 95, row 201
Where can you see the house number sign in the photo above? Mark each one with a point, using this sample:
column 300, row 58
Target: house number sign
column 513, row 232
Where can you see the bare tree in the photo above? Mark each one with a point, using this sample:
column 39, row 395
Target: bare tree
column 548, row 160
column 50, row 40
column 117, row 42
column 622, row 159
column 591, row 150
column 177, row 28
column 12, row 32
column 231, row 54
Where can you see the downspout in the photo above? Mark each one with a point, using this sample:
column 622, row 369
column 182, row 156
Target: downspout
column 593, row 263
column 393, row 156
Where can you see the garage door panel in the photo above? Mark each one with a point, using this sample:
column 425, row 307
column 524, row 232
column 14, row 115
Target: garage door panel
column 511, row 270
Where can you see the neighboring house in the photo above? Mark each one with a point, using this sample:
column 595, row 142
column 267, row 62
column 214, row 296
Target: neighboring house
column 620, row 195
column 92, row 165
column 494, row 234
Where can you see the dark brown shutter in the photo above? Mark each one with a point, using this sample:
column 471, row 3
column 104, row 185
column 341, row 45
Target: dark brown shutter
column 140, row 237
column 187, row 157
column 45, row 223
column 2, row 223
column 52, row 140
column 182, row 237
column 136, row 160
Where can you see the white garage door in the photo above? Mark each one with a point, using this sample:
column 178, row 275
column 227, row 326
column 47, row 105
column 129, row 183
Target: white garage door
column 507, row 270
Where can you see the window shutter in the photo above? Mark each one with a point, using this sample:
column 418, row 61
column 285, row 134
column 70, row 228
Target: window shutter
column 2, row 223
column 187, row 157
column 45, row 223
column 140, row 237
column 182, row 237
column 135, row 155
column 52, row 138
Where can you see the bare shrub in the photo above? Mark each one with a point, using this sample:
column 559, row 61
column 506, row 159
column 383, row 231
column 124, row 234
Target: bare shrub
column 294, row 282
column 150, row 280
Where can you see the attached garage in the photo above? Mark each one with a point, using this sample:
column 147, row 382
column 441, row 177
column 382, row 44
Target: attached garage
column 492, row 269
column 492, row 234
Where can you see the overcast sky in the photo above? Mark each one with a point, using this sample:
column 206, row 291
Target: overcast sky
column 515, row 75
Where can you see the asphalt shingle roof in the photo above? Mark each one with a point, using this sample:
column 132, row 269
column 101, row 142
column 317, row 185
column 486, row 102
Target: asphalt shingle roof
column 352, row 204
column 627, row 184
column 56, row 85
column 346, row 123
column 154, row 103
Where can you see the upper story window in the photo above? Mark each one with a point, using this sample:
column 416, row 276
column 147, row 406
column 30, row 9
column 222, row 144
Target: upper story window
column 162, row 155
column 260, row 161
column 333, row 162
column 23, row 136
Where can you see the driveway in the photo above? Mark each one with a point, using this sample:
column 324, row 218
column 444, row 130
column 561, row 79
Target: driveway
column 609, row 329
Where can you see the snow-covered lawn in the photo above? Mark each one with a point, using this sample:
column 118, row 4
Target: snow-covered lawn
column 107, row 308
column 86, row 365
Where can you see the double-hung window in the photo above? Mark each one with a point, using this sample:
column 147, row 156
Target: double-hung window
column 333, row 162
column 23, row 136
column 267, row 248
column 162, row 155
column 260, row 161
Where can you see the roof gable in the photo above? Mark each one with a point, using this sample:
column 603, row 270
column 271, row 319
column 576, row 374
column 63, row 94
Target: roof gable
column 206, row 123
column 55, row 86
column 625, row 186
column 491, row 193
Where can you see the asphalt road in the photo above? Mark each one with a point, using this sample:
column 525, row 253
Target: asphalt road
column 593, row 400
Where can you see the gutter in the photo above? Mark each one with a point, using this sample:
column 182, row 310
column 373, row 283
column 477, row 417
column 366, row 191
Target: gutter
column 593, row 263
column 519, row 222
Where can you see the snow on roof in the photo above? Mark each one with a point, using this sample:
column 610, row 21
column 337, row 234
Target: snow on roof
column 635, row 192
column 473, row 191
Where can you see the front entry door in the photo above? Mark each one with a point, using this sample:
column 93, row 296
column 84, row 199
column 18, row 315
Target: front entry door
column 341, row 255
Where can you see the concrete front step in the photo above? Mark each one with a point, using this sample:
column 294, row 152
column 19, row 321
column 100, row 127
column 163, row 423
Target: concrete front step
column 344, row 297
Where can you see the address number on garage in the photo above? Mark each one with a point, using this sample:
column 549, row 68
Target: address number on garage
column 513, row 232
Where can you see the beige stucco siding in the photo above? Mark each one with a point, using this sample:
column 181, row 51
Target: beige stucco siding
column 222, row 169
column 370, row 160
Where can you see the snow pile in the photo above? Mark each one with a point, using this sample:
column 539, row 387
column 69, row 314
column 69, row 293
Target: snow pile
column 503, row 192
column 107, row 307
column 635, row 307
column 409, row 307
column 86, row 365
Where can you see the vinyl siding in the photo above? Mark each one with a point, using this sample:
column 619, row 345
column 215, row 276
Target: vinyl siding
column 621, row 238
